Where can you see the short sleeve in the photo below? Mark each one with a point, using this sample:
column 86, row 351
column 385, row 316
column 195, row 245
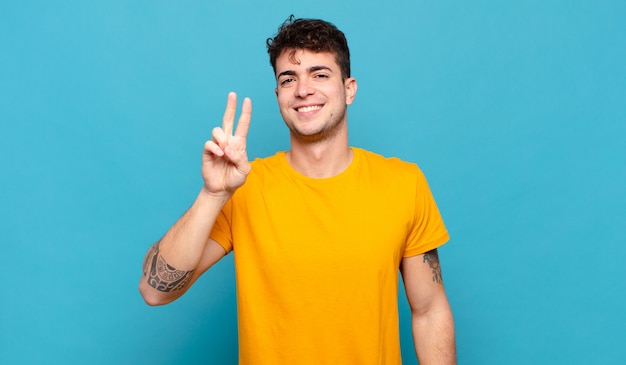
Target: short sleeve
column 221, row 232
column 428, row 230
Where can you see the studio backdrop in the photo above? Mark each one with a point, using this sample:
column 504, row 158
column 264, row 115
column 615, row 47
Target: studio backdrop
column 515, row 111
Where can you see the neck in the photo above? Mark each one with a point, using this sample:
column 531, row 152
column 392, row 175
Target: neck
column 323, row 159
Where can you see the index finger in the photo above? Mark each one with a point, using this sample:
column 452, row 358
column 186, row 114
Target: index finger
column 229, row 114
column 243, row 124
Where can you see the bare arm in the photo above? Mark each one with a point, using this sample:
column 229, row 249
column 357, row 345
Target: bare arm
column 185, row 251
column 431, row 316
column 172, row 264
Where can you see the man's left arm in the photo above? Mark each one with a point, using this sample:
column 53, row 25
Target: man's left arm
column 431, row 316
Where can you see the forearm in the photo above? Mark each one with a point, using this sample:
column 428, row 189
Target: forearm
column 433, row 334
column 172, row 264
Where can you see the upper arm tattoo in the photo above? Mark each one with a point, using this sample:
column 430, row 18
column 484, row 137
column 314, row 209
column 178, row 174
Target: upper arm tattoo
column 432, row 258
column 160, row 275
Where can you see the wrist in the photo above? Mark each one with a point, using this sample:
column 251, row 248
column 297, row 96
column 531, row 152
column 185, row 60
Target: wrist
column 210, row 197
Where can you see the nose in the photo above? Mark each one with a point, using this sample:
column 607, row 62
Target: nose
column 304, row 88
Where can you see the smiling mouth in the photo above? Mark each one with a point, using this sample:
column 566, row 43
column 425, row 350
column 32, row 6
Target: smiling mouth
column 310, row 108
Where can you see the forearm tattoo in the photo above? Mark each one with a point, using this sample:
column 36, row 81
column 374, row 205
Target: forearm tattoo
column 160, row 275
column 432, row 258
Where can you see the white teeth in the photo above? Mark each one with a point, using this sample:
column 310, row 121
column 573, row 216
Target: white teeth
column 311, row 108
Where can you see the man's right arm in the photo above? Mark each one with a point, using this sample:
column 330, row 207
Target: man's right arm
column 173, row 263
column 185, row 252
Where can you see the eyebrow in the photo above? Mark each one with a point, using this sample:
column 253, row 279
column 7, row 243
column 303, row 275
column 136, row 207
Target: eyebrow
column 310, row 70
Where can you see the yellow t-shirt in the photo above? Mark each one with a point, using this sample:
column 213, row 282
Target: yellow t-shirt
column 317, row 260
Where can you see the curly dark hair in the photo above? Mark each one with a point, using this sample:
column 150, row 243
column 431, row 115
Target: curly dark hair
column 310, row 34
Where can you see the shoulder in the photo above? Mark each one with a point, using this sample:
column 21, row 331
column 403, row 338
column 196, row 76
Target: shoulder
column 389, row 165
column 265, row 171
column 262, row 166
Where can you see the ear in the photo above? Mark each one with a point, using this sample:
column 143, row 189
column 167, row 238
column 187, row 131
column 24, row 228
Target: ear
column 276, row 92
column 351, row 86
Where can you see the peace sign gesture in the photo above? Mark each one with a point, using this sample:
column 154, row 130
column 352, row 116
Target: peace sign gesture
column 225, row 160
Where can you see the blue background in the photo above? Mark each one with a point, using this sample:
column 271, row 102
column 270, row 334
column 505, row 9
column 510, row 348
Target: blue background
column 515, row 111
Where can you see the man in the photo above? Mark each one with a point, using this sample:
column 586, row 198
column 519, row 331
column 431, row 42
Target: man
column 319, row 232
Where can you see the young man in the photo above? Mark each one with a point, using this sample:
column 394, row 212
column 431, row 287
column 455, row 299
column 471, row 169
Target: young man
column 319, row 232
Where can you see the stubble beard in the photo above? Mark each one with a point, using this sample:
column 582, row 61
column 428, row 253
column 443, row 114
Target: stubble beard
column 327, row 131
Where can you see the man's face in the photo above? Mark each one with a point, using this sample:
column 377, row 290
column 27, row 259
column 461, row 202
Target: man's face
column 311, row 94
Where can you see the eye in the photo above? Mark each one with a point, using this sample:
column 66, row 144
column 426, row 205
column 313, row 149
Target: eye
column 321, row 76
column 286, row 81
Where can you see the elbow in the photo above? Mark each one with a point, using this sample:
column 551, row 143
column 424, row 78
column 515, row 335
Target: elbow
column 151, row 296
column 152, row 301
column 437, row 309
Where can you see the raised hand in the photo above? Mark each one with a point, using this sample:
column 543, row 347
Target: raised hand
column 225, row 160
